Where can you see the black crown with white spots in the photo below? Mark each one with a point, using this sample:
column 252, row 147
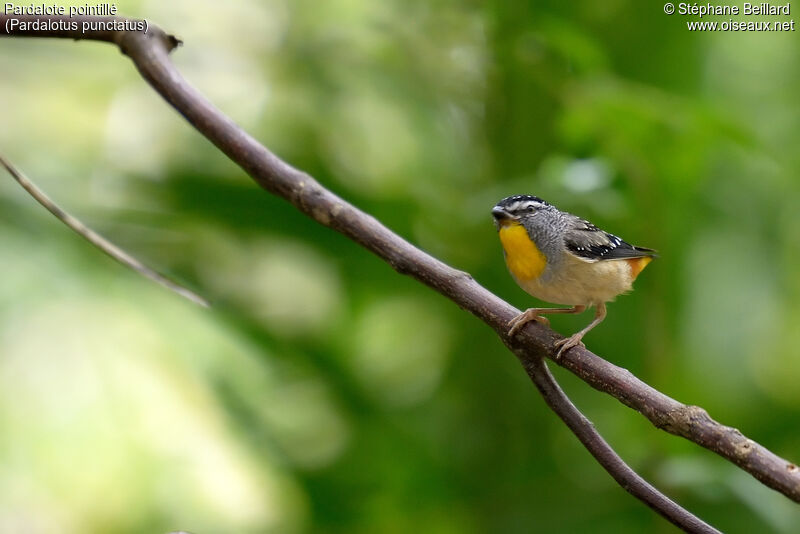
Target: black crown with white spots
column 521, row 203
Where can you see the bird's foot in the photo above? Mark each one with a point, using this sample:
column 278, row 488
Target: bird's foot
column 524, row 318
column 567, row 343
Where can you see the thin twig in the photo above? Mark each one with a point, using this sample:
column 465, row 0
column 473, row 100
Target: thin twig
column 96, row 239
column 607, row 457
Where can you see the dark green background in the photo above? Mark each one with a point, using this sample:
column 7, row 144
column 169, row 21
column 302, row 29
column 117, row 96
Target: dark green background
column 325, row 393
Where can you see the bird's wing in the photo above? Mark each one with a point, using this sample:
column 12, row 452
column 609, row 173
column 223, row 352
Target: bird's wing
column 590, row 243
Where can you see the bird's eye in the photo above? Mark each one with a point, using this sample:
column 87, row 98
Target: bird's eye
column 530, row 209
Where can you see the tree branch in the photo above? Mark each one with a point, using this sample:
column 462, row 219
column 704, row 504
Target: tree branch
column 97, row 240
column 584, row 430
column 150, row 55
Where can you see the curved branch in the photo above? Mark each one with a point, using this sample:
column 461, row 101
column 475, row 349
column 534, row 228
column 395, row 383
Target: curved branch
column 584, row 430
column 97, row 240
column 150, row 55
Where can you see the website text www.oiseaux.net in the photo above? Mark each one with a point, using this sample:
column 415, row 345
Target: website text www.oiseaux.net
column 754, row 22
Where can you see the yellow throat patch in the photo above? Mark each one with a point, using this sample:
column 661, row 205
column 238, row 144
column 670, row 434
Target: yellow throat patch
column 524, row 260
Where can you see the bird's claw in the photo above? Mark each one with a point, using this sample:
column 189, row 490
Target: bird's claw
column 566, row 344
column 524, row 318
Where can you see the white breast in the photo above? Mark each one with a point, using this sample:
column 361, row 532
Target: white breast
column 578, row 282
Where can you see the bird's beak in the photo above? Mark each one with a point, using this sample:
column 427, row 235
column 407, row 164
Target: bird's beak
column 500, row 214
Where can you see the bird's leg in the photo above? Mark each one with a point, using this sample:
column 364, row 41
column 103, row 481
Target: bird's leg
column 575, row 339
column 535, row 314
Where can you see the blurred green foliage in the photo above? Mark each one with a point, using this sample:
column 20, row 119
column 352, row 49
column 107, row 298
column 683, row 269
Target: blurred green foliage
column 325, row 393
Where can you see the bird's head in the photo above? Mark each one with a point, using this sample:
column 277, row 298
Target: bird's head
column 514, row 210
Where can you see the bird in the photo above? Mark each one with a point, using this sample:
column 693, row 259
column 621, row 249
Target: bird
column 561, row 258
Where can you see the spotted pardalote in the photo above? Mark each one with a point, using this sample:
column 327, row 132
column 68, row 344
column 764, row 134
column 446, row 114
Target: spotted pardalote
column 560, row 258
